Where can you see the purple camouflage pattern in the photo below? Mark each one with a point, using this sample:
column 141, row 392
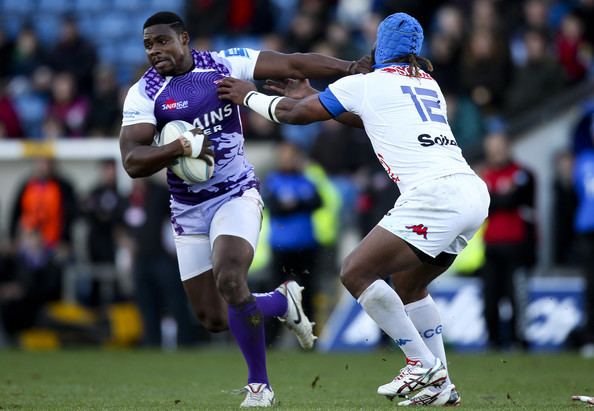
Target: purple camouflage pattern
column 192, row 97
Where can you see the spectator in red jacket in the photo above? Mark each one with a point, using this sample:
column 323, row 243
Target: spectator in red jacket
column 509, row 235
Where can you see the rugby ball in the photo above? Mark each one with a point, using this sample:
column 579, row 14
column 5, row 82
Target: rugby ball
column 191, row 170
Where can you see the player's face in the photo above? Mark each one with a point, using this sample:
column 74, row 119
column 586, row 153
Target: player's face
column 166, row 49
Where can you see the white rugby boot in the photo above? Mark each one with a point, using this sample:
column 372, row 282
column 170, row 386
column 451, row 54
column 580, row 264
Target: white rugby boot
column 295, row 319
column 257, row 395
column 414, row 377
column 444, row 396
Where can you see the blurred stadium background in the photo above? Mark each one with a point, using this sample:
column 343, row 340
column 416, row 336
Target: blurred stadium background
column 73, row 271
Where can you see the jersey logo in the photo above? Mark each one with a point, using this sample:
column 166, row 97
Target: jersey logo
column 418, row 229
column 171, row 104
column 405, row 71
column 236, row 52
column 427, row 141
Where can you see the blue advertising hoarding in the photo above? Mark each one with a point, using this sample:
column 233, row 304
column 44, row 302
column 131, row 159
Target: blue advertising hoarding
column 553, row 308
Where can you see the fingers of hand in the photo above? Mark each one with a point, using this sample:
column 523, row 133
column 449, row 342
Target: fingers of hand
column 207, row 155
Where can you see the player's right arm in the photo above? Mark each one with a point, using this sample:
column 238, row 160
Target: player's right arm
column 139, row 157
column 142, row 159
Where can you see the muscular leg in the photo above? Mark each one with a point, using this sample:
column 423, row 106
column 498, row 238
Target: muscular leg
column 231, row 258
column 420, row 307
column 379, row 254
column 208, row 304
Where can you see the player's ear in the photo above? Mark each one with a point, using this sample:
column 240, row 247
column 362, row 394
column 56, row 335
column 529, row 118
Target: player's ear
column 185, row 38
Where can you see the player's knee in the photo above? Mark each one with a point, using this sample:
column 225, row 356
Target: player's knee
column 232, row 285
column 228, row 285
column 349, row 274
column 232, row 265
column 409, row 289
column 411, row 294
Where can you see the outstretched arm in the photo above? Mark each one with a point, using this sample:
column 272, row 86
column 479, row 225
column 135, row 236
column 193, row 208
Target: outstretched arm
column 274, row 108
column 271, row 64
column 307, row 109
column 299, row 89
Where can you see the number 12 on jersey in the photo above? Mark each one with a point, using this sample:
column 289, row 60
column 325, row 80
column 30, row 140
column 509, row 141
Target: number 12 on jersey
column 425, row 100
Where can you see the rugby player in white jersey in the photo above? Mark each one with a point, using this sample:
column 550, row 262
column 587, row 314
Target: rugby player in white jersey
column 442, row 202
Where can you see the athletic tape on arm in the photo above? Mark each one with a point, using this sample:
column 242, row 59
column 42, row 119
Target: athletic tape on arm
column 262, row 104
column 196, row 141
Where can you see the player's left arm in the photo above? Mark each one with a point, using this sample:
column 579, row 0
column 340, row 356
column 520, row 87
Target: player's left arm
column 275, row 65
column 299, row 89
column 274, row 108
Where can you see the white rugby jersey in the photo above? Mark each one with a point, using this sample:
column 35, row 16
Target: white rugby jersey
column 405, row 119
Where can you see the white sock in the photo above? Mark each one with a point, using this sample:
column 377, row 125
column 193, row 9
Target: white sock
column 425, row 316
column 385, row 307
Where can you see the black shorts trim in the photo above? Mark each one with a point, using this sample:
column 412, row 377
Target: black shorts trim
column 443, row 259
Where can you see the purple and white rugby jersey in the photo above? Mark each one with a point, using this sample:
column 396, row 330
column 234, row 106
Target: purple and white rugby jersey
column 192, row 97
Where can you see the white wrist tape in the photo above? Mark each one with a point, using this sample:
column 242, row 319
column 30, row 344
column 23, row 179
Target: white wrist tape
column 262, row 104
column 196, row 141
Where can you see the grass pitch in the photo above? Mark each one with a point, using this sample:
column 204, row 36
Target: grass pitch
column 203, row 379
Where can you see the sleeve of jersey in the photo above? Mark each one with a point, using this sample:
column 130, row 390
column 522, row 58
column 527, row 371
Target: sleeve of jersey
column 138, row 108
column 342, row 96
column 240, row 61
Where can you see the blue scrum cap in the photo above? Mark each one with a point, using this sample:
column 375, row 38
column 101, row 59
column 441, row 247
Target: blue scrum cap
column 398, row 35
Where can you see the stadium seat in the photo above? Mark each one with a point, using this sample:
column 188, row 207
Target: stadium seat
column 47, row 27
column 127, row 75
column 170, row 5
column 108, row 53
column 87, row 24
column 11, row 24
column 132, row 52
column 55, row 6
column 91, row 6
column 129, row 5
column 113, row 25
column 17, row 6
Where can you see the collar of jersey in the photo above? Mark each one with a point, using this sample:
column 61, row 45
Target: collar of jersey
column 382, row 65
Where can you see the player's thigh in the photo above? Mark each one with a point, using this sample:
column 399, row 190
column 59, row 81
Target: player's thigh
column 379, row 254
column 207, row 303
column 240, row 217
column 195, row 267
column 411, row 285
column 234, row 233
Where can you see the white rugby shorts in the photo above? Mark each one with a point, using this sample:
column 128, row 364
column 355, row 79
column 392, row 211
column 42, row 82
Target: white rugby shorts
column 440, row 215
column 239, row 217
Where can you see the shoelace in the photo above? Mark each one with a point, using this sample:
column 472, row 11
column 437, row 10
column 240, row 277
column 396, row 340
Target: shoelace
column 257, row 396
column 403, row 372
column 245, row 390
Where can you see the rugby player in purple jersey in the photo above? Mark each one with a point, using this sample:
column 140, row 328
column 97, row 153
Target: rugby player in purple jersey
column 216, row 223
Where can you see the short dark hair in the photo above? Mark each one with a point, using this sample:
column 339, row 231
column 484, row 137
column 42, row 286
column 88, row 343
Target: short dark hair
column 166, row 17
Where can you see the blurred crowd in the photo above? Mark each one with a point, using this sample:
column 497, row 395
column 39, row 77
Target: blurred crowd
column 495, row 60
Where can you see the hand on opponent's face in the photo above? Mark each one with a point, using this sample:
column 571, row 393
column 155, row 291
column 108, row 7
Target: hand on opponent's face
column 234, row 89
column 361, row 66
